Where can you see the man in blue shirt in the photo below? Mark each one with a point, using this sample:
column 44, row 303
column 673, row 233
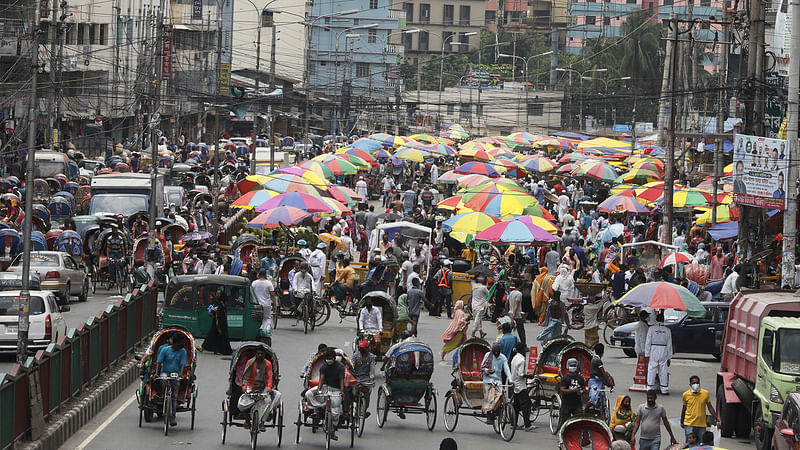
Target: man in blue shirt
column 172, row 359
column 507, row 341
column 494, row 364
column 409, row 201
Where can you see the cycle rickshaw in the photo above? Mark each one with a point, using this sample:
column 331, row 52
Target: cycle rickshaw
column 153, row 391
column 408, row 387
column 581, row 432
column 231, row 416
column 389, row 335
column 467, row 392
column 100, row 266
column 313, row 313
column 305, row 411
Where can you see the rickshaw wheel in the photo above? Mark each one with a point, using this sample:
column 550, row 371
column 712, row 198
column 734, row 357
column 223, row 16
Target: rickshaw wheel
column 322, row 314
column 313, row 312
column 536, row 401
column 141, row 415
column 165, row 414
column 555, row 414
column 362, row 414
column 450, row 413
column 299, row 423
column 224, row 422
column 506, row 421
column 430, row 408
column 194, row 410
column 328, row 427
column 304, row 313
column 279, row 415
column 382, row 406
column 254, row 424
column 275, row 314
column 94, row 282
column 353, row 424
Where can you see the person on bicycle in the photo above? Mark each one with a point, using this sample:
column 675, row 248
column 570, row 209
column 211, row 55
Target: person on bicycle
column 370, row 322
column 331, row 382
column 345, row 279
column 257, row 377
column 598, row 377
column 493, row 366
column 116, row 252
column 571, row 387
column 364, row 367
column 303, row 283
column 172, row 359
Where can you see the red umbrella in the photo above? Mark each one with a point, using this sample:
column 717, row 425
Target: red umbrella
column 675, row 258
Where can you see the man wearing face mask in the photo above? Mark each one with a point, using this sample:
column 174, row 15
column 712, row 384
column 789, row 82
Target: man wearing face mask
column 302, row 284
column 493, row 366
column 364, row 367
column 370, row 322
column 571, row 388
column 693, row 413
column 331, row 383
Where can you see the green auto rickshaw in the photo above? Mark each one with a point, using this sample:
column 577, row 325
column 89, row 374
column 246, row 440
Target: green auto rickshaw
column 188, row 297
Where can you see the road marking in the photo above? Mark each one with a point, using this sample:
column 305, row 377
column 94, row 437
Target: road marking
column 105, row 424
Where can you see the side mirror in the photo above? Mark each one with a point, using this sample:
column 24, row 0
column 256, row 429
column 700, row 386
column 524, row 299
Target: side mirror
column 787, row 432
column 66, row 308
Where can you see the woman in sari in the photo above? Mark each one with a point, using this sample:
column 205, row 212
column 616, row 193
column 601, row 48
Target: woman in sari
column 455, row 334
column 623, row 415
column 402, row 313
column 541, row 291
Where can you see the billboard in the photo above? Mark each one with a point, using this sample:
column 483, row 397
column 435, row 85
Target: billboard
column 759, row 171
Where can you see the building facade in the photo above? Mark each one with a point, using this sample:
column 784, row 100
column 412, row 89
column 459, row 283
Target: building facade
column 456, row 24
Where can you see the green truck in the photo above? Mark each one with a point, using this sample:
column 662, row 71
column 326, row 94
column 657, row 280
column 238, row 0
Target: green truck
column 760, row 363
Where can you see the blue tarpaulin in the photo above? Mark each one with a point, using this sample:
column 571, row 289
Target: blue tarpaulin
column 722, row 231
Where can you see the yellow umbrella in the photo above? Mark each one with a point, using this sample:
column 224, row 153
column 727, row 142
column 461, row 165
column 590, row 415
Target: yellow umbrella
column 332, row 240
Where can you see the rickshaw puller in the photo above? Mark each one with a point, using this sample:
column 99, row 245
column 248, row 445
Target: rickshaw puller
column 172, row 359
column 303, row 284
column 331, row 381
column 257, row 376
column 116, row 251
column 494, row 364
column 370, row 322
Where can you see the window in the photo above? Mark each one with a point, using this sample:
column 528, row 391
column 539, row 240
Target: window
column 372, row 37
column 630, row 2
column 408, row 40
column 591, row 20
column 667, row 2
column 425, row 13
column 81, row 33
column 606, row 20
column 490, row 16
column 447, row 40
column 766, row 347
column 327, row 20
column 362, row 70
column 355, row 22
column 424, row 41
column 466, row 109
column 70, row 34
column 705, row 2
column 373, row 4
column 448, row 14
column 463, row 39
column 92, row 33
column 451, row 108
column 479, row 109
column 463, row 15
column 535, row 109
column 103, row 34
column 409, row 9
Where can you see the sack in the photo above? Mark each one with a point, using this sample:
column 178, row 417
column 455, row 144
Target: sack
column 717, row 434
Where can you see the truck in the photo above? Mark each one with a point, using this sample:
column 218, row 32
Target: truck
column 760, row 362
column 124, row 193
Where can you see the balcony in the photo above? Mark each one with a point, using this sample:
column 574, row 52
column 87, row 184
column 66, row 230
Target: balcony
column 394, row 49
column 397, row 14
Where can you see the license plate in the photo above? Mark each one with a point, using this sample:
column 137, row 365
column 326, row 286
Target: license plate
column 12, row 329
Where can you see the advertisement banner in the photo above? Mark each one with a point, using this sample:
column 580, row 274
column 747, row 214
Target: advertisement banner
column 197, row 10
column 166, row 53
column 533, row 357
column 225, row 16
column 759, row 171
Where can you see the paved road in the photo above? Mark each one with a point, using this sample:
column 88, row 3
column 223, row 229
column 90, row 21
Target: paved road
column 79, row 312
column 117, row 427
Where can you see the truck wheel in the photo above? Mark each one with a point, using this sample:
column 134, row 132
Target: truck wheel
column 743, row 423
column 761, row 432
column 727, row 414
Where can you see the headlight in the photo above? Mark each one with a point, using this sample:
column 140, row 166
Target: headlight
column 775, row 395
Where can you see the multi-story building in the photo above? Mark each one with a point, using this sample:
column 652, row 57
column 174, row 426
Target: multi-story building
column 548, row 14
column 514, row 13
column 454, row 23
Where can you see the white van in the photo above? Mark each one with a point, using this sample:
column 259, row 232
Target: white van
column 47, row 324
column 50, row 164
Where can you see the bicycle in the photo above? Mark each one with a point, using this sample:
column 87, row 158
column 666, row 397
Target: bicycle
column 328, row 425
column 166, row 411
column 360, row 405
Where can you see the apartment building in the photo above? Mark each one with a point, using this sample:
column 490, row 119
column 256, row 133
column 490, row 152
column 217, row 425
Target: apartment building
column 454, row 23
column 548, row 14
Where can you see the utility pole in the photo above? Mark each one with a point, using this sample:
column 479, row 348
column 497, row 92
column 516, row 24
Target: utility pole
column 54, row 33
column 155, row 117
column 723, row 96
column 255, row 104
column 217, row 149
column 789, row 216
column 269, row 105
column 25, row 294
column 669, row 175
column 663, row 103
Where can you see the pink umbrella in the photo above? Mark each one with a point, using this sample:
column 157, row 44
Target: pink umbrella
column 675, row 258
column 518, row 230
column 298, row 200
column 273, row 218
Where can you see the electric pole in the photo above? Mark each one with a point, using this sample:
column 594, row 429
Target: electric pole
column 669, row 175
column 155, row 116
column 789, row 216
column 269, row 105
column 27, row 246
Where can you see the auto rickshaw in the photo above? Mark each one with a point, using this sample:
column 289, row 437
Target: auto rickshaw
column 188, row 297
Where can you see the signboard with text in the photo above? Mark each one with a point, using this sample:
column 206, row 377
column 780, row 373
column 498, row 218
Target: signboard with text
column 759, row 171
column 533, row 358
column 166, row 53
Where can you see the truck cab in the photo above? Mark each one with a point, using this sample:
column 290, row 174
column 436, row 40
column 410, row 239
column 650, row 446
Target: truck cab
column 778, row 365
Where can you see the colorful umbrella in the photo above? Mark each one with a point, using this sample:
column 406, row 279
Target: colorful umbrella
column 728, row 170
column 427, row 138
column 476, row 153
column 334, row 241
column 477, row 167
column 520, row 230
column 380, row 136
column 725, row 214
column 596, row 170
column 470, row 222
column 622, row 203
column 472, row 180
column 382, row 153
column 340, row 166
column 395, row 141
column 483, row 192
column 411, row 154
column 344, row 195
column 281, row 215
column 623, row 187
column 508, row 167
column 284, row 182
column 442, row 149
column 690, row 198
column 352, row 151
column 318, row 168
column 675, row 258
column 367, row 144
column 453, row 203
column 649, row 165
column 663, row 295
column 638, row 176
column 567, row 168
column 252, row 182
column 523, row 137
column 449, row 177
column 573, row 157
column 538, row 164
column 498, row 205
column 297, row 200
column 253, row 198
column 540, row 211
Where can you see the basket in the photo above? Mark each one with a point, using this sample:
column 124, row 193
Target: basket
column 589, row 289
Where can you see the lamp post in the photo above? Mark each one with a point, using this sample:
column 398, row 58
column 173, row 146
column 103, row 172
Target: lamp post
column 581, row 75
column 336, row 63
column 385, row 42
column 260, row 14
column 605, row 84
column 441, row 64
column 526, row 61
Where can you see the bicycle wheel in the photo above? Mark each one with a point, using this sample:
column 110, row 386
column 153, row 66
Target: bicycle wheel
column 353, row 422
column 279, row 413
column 328, row 427
column 94, row 281
column 255, row 421
column 304, row 313
column 362, row 413
column 507, row 419
column 430, row 408
column 165, row 409
column 313, row 313
column 194, row 411
column 323, row 313
column 382, row 407
column 450, row 413
column 224, row 422
column 299, row 423
column 608, row 332
column 555, row 414
column 120, row 282
column 535, row 394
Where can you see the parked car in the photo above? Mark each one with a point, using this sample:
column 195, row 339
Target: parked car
column 689, row 334
column 90, row 167
column 58, row 273
column 787, row 428
column 47, row 324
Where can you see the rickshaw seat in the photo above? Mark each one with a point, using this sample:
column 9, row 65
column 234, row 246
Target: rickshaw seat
column 284, row 284
column 472, row 375
column 549, row 369
column 473, row 385
column 549, row 378
column 313, row 383
column 583, row 438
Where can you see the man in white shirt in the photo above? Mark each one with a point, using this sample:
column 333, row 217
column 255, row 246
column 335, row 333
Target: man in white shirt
column 362, row 190
column 729, row 288
column 262, row 290
column 370, row 322
column 302, row 284
column 304, row 250
column 317, row 262
column 519, row 378
column 204, row 266
column 434, row 174
column 563, row 205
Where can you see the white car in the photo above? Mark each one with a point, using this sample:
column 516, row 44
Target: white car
column 47, row 325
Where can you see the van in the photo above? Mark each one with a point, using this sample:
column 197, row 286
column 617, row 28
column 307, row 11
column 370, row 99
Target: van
column 46, row 325
column 50, row 164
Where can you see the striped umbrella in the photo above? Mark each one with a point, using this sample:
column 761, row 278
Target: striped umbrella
column 484, row 191
column 253, row 198
column 725, row 214
column 382, row 153
column 656, row 167
column 623, row 187
column 318, row 168
column 442, row 149
column 567, row 168
column 508, row 167
column 427, row 138
column 411, row 154
column 663, row 295
column 343, row 194
column 396, row 141
column 638, row 175
column 573, row 157
column 340, row 166
column 281, row 215
column 380, row 136
column 251, row 182
column 498, row 205
column 475, row 153
column 518, row 230
column 452, row 203
column 540, row 222
column 621, row 203
column 523, row 137
column 352, row 151
column 472, row 180
column 305, row 202
column 449, row 177
column 690, row 198
column 596, row 170
column 367, row 144
column 284, row 182
column 477, row 167
column 470, row 222
column 539, row 164
column 675, row 258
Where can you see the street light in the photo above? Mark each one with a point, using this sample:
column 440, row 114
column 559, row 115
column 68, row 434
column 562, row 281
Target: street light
column 385, row 41
column 441, row 65
column 581, row 75
column 606, row 83
column 336, row 59
column 504, row 55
